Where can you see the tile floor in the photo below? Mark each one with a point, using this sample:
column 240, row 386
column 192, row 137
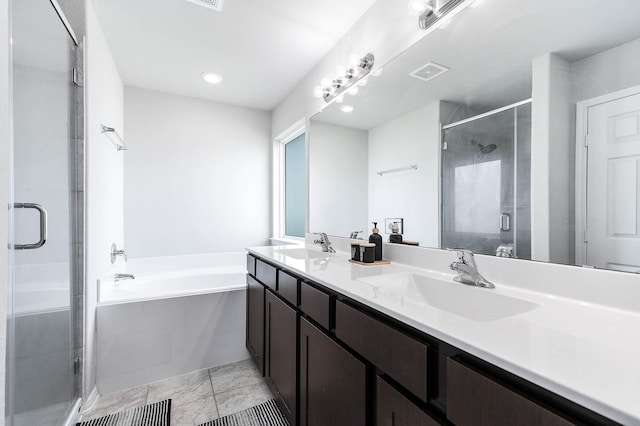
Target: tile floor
column 197, row 397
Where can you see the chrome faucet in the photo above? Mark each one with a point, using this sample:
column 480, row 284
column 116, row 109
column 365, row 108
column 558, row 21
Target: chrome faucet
column 120, row 277
column 325, row 243
column 115, row 252
column 468, row 271
column 354, row 234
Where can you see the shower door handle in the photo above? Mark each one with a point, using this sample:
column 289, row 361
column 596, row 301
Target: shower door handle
column 505, row 222
column 43, row 226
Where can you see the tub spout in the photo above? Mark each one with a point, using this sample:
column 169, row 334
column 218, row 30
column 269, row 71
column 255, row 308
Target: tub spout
column 120, row 277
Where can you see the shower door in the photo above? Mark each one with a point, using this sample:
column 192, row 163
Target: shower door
column 42, row 324
column 486, row 182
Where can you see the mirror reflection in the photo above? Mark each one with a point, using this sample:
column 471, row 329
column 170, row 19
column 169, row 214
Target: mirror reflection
column 521, row 141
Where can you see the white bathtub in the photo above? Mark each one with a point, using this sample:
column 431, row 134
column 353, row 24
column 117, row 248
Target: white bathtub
column 180, row 314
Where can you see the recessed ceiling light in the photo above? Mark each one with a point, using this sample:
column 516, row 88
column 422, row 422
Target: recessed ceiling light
column 347, row 108
column 211, row 77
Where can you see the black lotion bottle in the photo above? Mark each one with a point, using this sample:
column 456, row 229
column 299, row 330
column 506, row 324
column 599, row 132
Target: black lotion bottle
column 376, row 238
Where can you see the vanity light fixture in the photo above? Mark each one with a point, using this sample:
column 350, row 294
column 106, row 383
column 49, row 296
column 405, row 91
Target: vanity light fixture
column 211, row 77
column 435, row 11
column 347, row 108
column 346, row 79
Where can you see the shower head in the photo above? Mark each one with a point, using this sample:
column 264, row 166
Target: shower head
column 484, row 150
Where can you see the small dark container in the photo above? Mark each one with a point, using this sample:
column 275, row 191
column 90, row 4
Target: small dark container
column 369, row 252
column 395, row 238
column 355, row 252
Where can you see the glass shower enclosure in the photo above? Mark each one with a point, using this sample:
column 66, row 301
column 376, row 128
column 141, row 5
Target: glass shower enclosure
column 486, row 182
column 42, row 362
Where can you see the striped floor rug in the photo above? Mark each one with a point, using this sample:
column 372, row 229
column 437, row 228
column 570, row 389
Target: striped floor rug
column 156, row 414
column 265, row 414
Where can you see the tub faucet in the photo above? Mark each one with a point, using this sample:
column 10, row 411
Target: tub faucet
column 325, row 243
column 120, row 277
column 468, row 271
column 115, row 252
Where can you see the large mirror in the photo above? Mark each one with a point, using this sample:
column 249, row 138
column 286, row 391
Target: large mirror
column 513, row 130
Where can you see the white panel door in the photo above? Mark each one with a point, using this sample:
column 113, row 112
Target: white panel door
column 613, row 182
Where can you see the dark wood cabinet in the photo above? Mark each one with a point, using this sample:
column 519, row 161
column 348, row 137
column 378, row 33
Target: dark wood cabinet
column 266, row 274
column 399, row 355
column 255, row 321
column 281, row 354
column 288, row 287
column 394, row 409
column 332, row 381
column 475, row 399
column 316, row 304
column 332, row 361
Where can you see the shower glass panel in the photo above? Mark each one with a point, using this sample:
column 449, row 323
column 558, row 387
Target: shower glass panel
column 486, row 185
column 41, row 385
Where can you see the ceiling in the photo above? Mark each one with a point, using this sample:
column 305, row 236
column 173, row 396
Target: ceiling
column 489, row 50
column 261, row 48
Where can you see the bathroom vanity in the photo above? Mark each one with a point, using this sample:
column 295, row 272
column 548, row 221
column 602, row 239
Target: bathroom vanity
column 344, row 344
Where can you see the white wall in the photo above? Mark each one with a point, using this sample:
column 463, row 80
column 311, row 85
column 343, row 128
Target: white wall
column 386, row 29
column 412, row 195
column 552, row 161
column 609, row 71
column 104, row 176
column 4, row 186
column 197, row 175
column 338, row 179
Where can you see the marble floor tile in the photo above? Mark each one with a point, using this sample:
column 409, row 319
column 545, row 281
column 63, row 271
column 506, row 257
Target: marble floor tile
column 197, row 411
column 242, row 398
column 178, row 388
column 236, row 375
column 118, row 401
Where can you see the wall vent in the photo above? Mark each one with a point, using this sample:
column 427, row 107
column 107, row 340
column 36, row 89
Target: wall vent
column 429, row 71
column 210, row 4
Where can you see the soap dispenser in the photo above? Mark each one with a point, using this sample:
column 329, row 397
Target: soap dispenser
column 376, row 238
column 395, row 237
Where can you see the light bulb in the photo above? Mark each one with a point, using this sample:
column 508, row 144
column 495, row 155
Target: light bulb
column 340, row 99
column 341, row 72
column 211, row 77
column 354, row 59
column 318, row 91
column 353, row 90
column 325, row 82
column 420, row 6
column 363, row 82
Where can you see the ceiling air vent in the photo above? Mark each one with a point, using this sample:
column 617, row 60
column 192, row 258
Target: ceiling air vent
column 211, row 4
column 429, row 71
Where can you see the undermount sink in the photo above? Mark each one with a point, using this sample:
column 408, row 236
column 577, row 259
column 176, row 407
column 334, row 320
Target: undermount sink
column 303, row 253
column 474, row 303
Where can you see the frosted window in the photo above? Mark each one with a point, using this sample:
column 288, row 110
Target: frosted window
column 477, row 198
column 294, row 187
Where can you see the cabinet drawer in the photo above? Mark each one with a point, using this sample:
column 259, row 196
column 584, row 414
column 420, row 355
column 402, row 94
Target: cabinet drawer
column 473, row 398
column 316, row 304
column 393, row 409
column 251, row 265
column 395, row 353
column 266, row 274
column 288, row 287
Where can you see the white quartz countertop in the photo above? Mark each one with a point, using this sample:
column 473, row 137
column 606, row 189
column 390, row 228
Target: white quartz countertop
column 585, row 352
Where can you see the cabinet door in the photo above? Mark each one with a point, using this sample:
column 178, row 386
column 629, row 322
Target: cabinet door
column 332, row 382
column 255, row 321
column 393, row 409
column 476, row 399
column 281, row 353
